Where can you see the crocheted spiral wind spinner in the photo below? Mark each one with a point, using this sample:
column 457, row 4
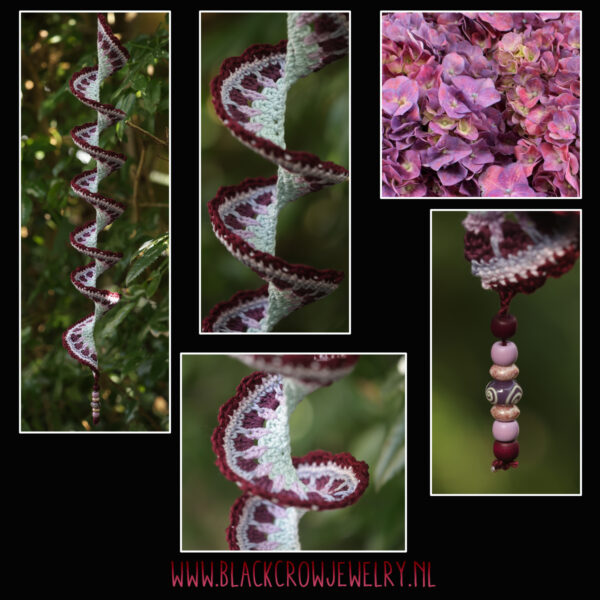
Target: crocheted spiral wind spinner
column 252, row 444
column 249, row 96
column 85, row 85
column 511, row 257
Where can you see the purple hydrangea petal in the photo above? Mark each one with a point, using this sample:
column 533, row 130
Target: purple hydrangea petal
column 399, row 95
column 451, row 102
column 506, row 181
column 452, row 174
column 499, row 21
column 453, row 64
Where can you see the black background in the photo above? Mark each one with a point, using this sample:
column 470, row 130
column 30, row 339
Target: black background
column 101, row 513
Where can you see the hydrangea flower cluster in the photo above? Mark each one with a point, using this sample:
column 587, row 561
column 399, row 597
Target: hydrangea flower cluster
column 480, row 104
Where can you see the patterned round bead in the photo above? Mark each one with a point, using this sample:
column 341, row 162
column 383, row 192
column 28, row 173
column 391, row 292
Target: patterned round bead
column 506, row 451
column 505, row 431
column 504, row 373
column 505, row 412
column 504, row 353
column 503, row 392
column 504, row 326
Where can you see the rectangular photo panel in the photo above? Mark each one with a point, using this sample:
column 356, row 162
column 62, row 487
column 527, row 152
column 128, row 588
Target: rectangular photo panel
column 506, row 352
column 293, row 452
column 274, row 170
column 94, row 222
column 481, row 104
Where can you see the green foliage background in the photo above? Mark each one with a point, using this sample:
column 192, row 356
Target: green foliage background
column 313, row 230
column 549, row 361
column 132, row 339
column 362, row 413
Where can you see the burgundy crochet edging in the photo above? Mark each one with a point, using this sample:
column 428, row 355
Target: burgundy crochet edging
column 513, row 242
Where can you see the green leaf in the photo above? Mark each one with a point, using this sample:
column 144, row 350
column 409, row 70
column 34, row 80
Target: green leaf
column 61, row 165
column 140, row 82
column 153, row 284
column 114, row 318
column 126, row 102
column 146, row 255
column 149, row 122
column 153, row 95
column 391, row 456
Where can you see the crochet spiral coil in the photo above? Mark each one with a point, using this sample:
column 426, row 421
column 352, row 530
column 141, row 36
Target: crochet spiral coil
column 252, row 446
column 249, row 96
column 85, row 85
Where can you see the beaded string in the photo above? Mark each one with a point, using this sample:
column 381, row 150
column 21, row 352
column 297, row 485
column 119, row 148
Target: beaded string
column 511, row 256
column 503, row 392
column 78, row 339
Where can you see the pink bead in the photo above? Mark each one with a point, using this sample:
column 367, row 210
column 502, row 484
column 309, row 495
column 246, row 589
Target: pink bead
column 505, row 431
column 505, row 412
column 504, row 373
column 504, row 354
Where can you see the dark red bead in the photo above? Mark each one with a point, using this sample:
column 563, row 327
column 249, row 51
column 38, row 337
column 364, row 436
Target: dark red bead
column 504, row 326
column 506, row 451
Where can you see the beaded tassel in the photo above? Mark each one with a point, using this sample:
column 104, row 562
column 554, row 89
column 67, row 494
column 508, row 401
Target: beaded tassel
column 510, row 256
column 504, row 393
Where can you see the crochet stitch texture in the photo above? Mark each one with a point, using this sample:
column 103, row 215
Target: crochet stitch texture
column 252, row 445
column 78, row 339
column 511, row 257
column 249, row 96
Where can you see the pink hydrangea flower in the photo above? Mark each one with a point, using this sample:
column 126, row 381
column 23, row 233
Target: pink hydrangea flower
column 510, row 180
column 399, row 95
column 481, row 104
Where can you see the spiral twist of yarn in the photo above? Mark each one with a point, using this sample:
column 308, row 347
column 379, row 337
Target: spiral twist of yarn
column 252, row 446
column 249, row 96
column 78, row 339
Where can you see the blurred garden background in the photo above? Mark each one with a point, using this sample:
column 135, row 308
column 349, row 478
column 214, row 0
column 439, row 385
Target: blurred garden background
column 548, row 339
column 313, row 230
column 362, row 413
column 133, row 338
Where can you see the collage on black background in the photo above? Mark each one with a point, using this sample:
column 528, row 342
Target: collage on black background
column 286, row 282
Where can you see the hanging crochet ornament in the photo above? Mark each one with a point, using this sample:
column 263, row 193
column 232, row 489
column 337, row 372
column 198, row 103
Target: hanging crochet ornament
column 85, row 85
column 511, row 257
column 249, row 96
column 252, row 444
